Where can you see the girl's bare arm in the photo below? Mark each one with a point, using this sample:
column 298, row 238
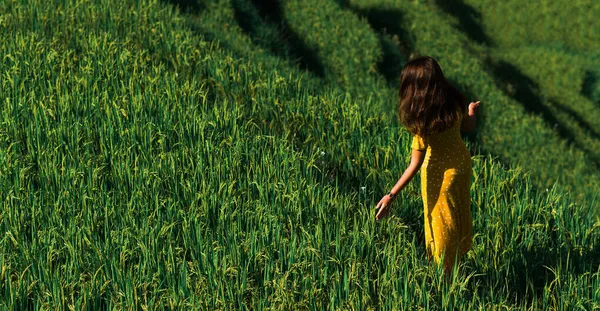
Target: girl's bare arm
column 416, row 161
column 470, row 121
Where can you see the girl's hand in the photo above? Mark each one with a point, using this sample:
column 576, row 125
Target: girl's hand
column 384, row 207
column 473, row 108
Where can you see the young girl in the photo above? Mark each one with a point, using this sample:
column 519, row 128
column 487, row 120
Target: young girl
column 435, row 112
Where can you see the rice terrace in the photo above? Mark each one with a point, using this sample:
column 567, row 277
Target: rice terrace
column 229, row 154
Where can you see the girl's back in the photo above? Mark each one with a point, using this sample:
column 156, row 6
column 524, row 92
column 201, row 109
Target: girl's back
column 445, row 149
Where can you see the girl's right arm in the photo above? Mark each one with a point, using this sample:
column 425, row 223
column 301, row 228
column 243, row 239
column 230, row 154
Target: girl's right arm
column 469, row 121
column 416, row 161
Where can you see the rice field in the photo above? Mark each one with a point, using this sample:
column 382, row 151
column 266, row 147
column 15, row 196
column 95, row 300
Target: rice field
column 227, row 155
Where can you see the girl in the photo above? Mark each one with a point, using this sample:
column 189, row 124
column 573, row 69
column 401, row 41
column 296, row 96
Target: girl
column 435, row 112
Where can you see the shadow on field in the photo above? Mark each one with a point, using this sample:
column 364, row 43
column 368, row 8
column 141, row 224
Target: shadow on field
column 526, row 91
column 468, row 17
column 536, row 263
column 591, row 86
column 396, row 44
column 188, row 6
column 520, row 87
column 263, row 21
column 593, row 132
column 531, row 270
column 194, row 9
column 537, row 258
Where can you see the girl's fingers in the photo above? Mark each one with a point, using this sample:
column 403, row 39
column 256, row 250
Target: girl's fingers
column 381, row 211
column 381, row 202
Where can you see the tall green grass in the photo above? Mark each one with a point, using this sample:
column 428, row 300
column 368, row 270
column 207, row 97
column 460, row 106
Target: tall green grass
column 154, row 160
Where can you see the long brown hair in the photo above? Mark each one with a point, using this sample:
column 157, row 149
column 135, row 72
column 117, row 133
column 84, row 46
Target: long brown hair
column 428, row 103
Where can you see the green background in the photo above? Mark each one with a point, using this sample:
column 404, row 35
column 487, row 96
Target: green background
column 227, row 155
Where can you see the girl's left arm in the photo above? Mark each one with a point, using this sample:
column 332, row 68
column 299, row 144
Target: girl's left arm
column 416, row 161
column 469, row 120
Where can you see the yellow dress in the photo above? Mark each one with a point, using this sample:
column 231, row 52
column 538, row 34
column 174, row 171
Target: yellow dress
column 445, row 183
